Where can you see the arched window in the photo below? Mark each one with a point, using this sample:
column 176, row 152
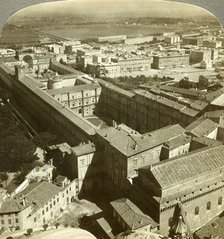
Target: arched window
column 209, row 206
column 80, row 111
column 196, row 211
column 220, row 201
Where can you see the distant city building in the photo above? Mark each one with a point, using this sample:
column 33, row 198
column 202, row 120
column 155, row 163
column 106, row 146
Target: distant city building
column 170, row 61
column 82, row 98
column 36, row 205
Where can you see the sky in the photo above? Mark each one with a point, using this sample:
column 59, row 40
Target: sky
column 113, row 8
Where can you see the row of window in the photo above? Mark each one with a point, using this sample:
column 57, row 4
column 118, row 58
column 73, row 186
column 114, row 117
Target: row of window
column 208, row 206
column 9, row 221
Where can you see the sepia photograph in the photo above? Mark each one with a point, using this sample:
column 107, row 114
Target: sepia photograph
column 111, row 120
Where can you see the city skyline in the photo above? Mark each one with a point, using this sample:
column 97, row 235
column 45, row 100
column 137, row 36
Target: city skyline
column 109, row 8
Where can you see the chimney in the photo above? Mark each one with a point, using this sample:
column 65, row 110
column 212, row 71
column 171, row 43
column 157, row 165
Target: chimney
column 19, row 72
column 23, row 202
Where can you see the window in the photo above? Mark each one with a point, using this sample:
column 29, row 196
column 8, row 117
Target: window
column 143, row 158
column 135, row 161
column 9, row 221
column 17, row 220
column 54, row 202
column 209, row 206
column 196, row 211
column 50, row 205
column 82, row 162
column 35, row 219
column 46, row 209
column 220, row 201
column 2, row 222
column 57, row 199
column 43, row 212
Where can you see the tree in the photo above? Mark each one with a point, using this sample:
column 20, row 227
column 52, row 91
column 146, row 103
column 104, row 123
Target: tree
column 45, row 226
column 57, row 225
column 29, row 231
column 4, row 177
column 43, row 140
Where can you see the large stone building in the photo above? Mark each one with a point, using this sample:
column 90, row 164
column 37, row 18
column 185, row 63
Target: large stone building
column 36, row 205
column 125, row 150
column 195, row 179
column 82, row 99
column 170, row 61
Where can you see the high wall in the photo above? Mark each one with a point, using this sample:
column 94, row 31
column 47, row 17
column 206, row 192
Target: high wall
column 139, row 111
column 50, row 114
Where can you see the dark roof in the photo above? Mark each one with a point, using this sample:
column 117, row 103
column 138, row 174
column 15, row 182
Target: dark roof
column 83, row 149
column 10, row 206
column 168, row 102
column 39, row 192
column 201, row 127
column 189, row 92
column 78, row 88
column 207, row 141
column 214, row 228
column 189, row 166
column 214, row 114
column 131, row 214
column 133, row 143
column 178, row 141
column 60, row 179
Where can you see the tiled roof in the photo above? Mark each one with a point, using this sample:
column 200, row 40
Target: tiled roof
column 131, row 214
column 39, row 192
column 214, row 228
column 214, row 114
column 133, row 143
column 199, row 105
column 189, row 166
column 83, row 149
column 178, row 141
column 207, row 141
column 168, row 102
column 201, row 127
column 10, row 206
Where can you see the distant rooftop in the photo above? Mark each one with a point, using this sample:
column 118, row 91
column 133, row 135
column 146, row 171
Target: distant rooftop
column 131, row 214
column 209, row 159
column 83, row 149
column 131, row 143
column 201, row 127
